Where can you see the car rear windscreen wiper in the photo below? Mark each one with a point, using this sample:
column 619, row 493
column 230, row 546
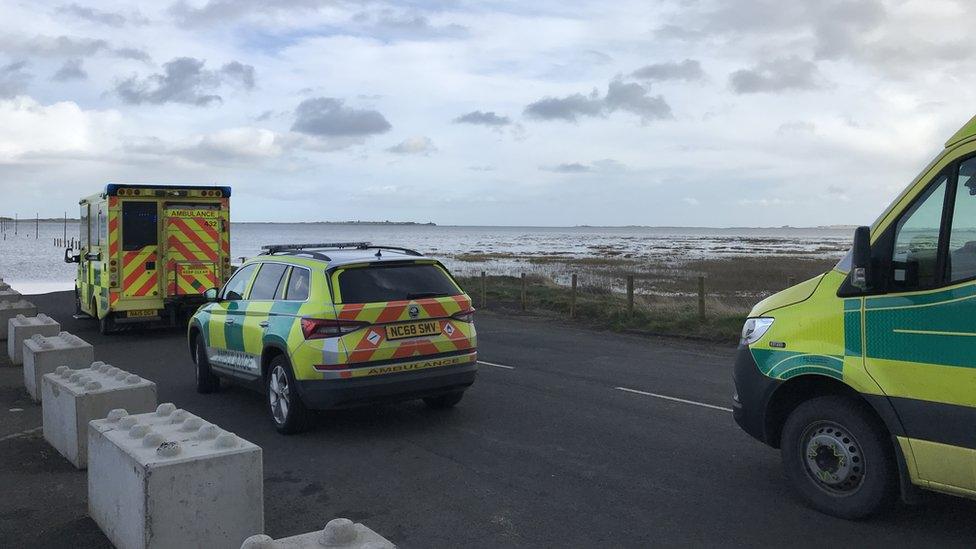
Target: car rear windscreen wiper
column 422, row 295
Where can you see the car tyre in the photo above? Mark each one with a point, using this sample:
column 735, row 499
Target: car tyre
column 207, row 382
column 285, row 406
column 442, row 402
column 838, row 457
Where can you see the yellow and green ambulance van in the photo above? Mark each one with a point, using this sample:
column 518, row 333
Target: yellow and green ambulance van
column 337, row 325
column 147, row 253
column 865, row 377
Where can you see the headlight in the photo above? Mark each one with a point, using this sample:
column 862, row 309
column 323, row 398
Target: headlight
column 754, row 329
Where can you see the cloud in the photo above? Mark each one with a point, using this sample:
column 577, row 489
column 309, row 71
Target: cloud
column 65, row 46
column 243, row 145
column 621, row 96
column 111, row 19
column 483, row 118
column 634, row 98
column 52, row 46
column 33, row 132
column 388, row 24
column 485, row 168
column 691, row 201
column 777, row 75
column 568, row 108
column 225, row 11
column 70, row 70
column 133, row 53
column 239, row 72
column 184, row 80
column 568, row 167
column 329, row 117
column 687, row 70
column 414, row 145
column 14, row 79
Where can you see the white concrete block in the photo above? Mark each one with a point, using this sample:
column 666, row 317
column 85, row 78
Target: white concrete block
column 72, row 398
column 339, row 533
column 43, row 355
column 169, row 479
column 10, row 309
column 23, row 327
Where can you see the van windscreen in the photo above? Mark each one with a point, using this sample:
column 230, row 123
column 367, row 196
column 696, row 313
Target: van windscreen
column 394, row 283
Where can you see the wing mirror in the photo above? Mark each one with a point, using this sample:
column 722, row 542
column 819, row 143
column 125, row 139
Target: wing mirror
column 210, row 294
column 68, row 258
column 861, row 259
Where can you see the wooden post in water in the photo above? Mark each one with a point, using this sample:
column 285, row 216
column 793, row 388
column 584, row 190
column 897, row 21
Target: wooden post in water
column 37, row 225
column 572, row 299
column 701, row 298
column 630, row 295
column 484, row 290
column 524, row 297
column 65, row 236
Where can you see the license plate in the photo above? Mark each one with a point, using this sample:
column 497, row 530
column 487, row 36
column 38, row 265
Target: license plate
column 141, row 313
column 416, row 329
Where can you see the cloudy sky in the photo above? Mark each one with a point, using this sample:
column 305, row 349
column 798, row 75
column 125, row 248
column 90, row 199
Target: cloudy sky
column 751, row 112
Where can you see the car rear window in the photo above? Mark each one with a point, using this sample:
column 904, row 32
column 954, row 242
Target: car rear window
column 394, row 283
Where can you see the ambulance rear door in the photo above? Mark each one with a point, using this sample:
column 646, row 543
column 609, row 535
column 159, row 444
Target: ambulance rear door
column 191, row 236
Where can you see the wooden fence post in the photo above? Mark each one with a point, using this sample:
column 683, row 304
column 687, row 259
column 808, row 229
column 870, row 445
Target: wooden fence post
column 701, row 298
column 523, row 292
column 572, row 299
column 630, row 295
column 484, row 292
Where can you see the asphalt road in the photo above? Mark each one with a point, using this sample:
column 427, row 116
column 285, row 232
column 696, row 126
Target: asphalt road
column 546, row 452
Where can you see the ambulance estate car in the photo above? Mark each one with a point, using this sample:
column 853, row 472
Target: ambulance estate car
column 320, row 326
column 147, row 253
column 865, row 377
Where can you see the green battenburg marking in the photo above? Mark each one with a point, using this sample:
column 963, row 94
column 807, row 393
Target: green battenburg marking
column 962, row 292
column 234, row 333
column 787, row 364
column 852, row 333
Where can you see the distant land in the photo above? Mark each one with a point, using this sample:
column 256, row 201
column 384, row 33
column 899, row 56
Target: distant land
column 428, row 224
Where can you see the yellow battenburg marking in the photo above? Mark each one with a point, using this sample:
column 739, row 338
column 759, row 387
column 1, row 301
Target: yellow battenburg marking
column 256, row 312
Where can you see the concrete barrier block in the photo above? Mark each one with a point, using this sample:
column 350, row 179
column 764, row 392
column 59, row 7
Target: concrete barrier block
column 170, row 479
column 9, row 294
column 23, row 327
column 339, row 533
column 10, row 309
column 43, row 355
column 72, row 398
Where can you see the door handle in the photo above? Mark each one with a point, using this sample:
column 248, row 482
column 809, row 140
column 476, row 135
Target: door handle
column 263, row 324
column 229, row 321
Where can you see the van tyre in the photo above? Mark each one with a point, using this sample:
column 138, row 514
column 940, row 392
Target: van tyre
column 207, row 382
column 443, row 402
column 838, row 457
column 106, row 324
column 288, row 413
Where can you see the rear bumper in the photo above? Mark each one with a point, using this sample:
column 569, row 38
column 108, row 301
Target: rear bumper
column 752, row 393
column 346, row 393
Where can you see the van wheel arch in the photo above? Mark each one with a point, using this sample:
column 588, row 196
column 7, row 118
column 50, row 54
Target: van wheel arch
column 797, row 390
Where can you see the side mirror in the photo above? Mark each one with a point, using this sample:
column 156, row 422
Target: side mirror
column 861, row 259
column 210, row 294
column 97, row 256
column 68, row 258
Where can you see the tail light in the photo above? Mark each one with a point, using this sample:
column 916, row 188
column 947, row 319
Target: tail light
column 321, row 328
column 466, row 315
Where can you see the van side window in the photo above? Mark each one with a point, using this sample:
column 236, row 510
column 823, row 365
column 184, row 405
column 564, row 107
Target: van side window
column 236, row 286
column 961, row 263
column 914, row 259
